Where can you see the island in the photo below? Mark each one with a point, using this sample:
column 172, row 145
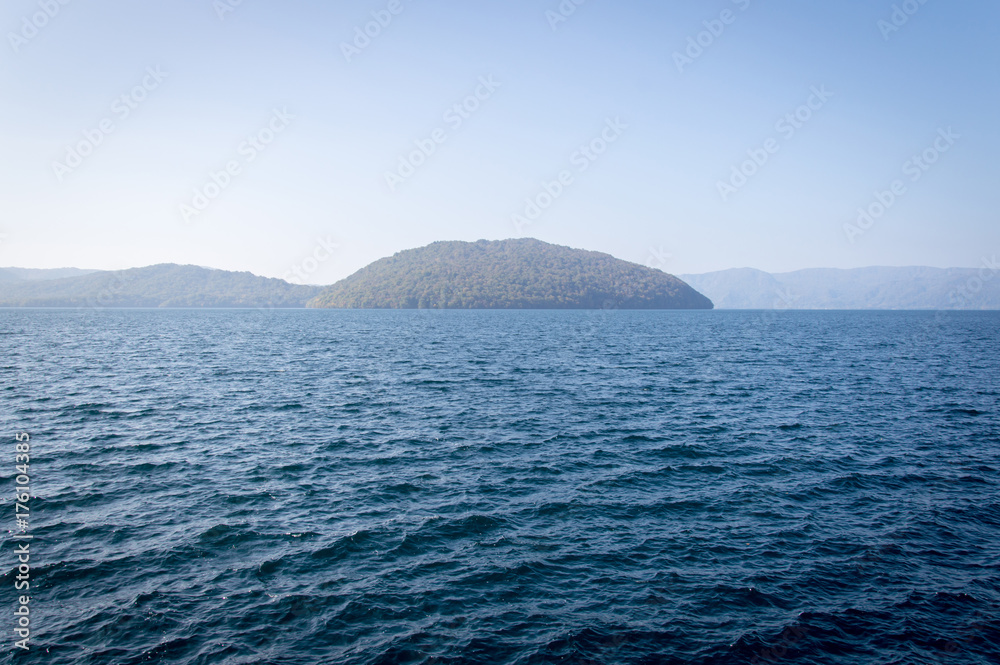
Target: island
column 521, row 273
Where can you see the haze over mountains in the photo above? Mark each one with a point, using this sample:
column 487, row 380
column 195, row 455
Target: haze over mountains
column 166, row 285
column 860, row 288
column 39, row 274
column 511, row 274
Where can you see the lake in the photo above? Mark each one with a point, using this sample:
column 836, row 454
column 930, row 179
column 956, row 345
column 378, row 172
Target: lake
column 427, row 487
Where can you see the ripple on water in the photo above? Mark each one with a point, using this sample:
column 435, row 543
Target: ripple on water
column 509, row 487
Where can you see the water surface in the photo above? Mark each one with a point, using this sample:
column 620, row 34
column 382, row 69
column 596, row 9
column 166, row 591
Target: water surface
column 506, row 487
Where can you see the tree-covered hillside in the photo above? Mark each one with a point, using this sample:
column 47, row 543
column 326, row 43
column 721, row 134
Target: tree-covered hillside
column 166, row 285
column 508, row 274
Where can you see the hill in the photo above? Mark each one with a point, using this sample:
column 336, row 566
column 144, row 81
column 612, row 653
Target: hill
column 165, row 285
column 39, row 274
column 508, row 274
column 860, row 288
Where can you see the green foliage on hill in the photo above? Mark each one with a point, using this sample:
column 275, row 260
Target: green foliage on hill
column 166, row 285
column 508, row 274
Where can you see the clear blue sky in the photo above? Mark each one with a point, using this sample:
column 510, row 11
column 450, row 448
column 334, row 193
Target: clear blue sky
column 679, row 131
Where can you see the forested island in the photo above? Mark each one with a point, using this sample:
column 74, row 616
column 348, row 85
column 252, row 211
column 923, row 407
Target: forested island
column 508, row 274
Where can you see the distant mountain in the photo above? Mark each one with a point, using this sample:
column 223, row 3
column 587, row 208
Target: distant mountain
column 861, row 288
column 508, row 274
column 166, row 285
column 40, row 274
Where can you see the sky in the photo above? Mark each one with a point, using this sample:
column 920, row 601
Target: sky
column 306, row 139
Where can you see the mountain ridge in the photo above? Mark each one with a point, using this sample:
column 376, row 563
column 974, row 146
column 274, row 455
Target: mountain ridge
column 173, row 285
column 165, row 285
column 41, row 274
column 872, row 287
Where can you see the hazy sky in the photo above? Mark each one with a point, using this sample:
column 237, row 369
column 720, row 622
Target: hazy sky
column 118, row 116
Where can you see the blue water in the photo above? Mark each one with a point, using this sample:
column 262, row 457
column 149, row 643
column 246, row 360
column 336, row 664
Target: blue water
column 505, row 487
